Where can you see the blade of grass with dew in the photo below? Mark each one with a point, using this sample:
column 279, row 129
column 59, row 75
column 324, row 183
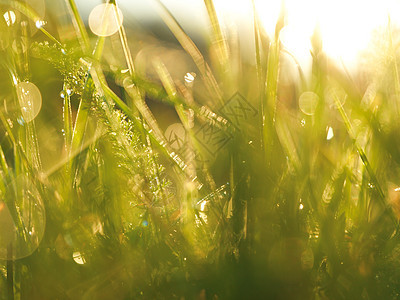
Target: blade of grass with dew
column 193, row 51
column 363, row 157
column 28, row 11
column 134, row 93
column 79, row 26
column 154, row 133
column 189, row 213
column 124, row 40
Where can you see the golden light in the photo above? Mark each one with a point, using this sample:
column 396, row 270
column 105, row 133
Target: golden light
column 345, row 26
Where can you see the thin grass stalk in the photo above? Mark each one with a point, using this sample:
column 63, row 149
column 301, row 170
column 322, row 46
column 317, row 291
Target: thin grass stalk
column 3, row 162
column 363, row 156
column 269, row 105
column 124, row 40
column 67, row 122
column 79, row 26
column 219, row 40
column 135, row 91
column 82, row 116
column 189, row 46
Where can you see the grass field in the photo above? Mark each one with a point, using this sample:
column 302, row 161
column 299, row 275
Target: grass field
column 134, row 168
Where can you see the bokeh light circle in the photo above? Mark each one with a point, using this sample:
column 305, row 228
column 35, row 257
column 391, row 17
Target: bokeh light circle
column 105, row 19
column 22, row 219
column 30, row 100
column 308, row 102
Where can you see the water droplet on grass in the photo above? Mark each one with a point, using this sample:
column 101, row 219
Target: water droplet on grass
column 189, row 77
column 329, row 134
column 39, row 24
column 10, row 17
column 21, row 121
column 78, row 258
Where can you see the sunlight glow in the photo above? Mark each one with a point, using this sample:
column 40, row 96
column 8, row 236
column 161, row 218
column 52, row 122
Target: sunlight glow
column 345, row 26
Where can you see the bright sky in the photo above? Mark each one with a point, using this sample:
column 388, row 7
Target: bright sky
column 345, row 25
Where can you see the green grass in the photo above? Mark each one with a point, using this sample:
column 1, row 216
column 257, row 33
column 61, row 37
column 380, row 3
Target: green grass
column 278, row 212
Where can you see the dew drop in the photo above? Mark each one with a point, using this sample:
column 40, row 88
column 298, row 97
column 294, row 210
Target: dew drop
column 15, row 79
column 39, row 24
column 203, row 205
column 78, row 258
column 330, row 134
column 189, row 77
column 10, row 17
column 21, row 121
column 62, row 94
